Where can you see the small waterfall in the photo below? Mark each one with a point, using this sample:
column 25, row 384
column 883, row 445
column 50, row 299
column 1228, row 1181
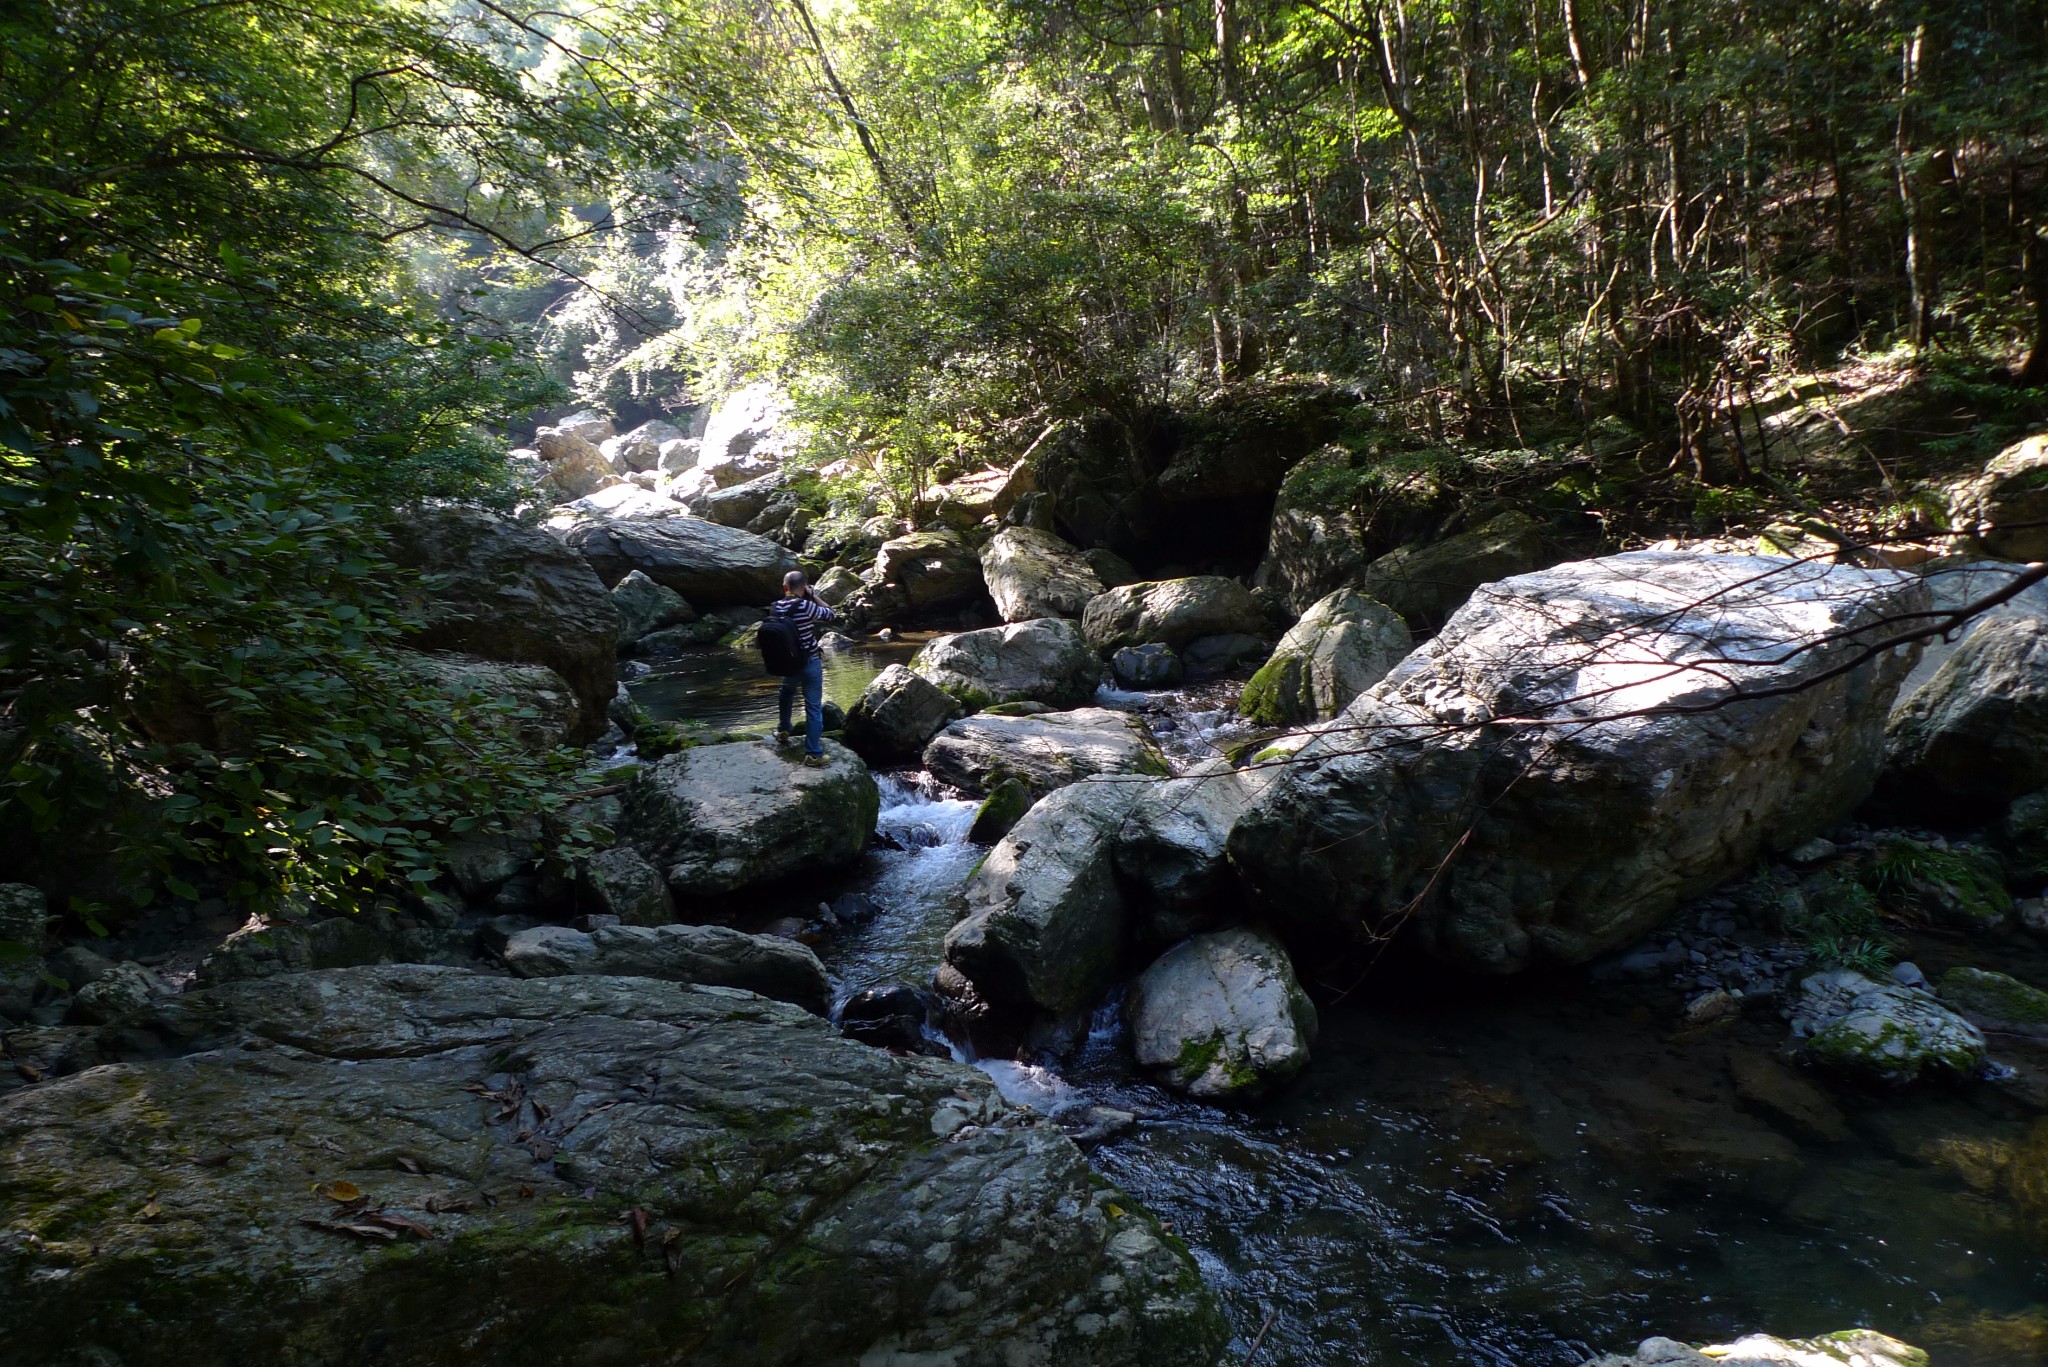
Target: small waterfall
column 917, row 880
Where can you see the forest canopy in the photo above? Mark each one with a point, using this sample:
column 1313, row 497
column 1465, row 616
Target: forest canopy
column 275, row 273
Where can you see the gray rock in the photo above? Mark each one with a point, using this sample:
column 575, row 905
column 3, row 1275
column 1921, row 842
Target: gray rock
column 1503, row 846
column 1994, row 1001
column 381, row 935
column 575, row 468
column 1849, row 1348
column 677, row 456
column 24, row 915
column 1045, row 917
column 929, row 570
column 1311, row 552
column 539, row 708
column 640, row 449
column 623, row 884
column 1044, row 661
column 1975, row 736
column 1172, row 849
column 1112, row 569
column 1175, row 611
column 740, row 504
column 1033, row 574
column 1882, row 1032
column 1042, row 752
column 836, row 585
column 747, row 430
column 24, row 921
column 1152, row 665
column 125, row 987
column 585, row 424
column 895, row 715
column 1342, row 646
column 1221, row 1017
column 1427, row 582
column 513, row 594
column 718, row 818
column 2006, row 508
column 646, row 607
column 709, row 956
column 710, row 565
column 791, row 1189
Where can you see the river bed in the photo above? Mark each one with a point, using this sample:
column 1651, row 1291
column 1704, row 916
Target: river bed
column 1473, row 1172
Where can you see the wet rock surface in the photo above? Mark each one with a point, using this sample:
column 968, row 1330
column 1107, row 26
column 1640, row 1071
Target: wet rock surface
column 1044, row 661
column 1032, row 574
column 1173, row 611
column 1042, row 752
column 896, row 715
column 705, row 956
column 521, row 1171
column 1221, row 1017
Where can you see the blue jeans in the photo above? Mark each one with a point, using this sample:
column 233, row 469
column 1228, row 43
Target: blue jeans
column 812, row 678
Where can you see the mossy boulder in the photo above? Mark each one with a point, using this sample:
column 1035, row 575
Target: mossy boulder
column 423, row 1166
column 1000, row 811
column 1045, row 661
column 1221, row 1017
column 1996, row 1001
column 1959, row 886
column 1173, row 611
column 1042, row 752
column 1342, row 646
column 1975, row 735
column 1427, row 581
column 1884, row 1032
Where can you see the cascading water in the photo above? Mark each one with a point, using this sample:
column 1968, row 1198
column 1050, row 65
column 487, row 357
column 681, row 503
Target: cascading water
column 916, row 878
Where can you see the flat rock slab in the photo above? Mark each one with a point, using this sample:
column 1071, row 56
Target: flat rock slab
column 413, row 1165
column 708, row 956
column 718, row 818
column 709, row 565
column 1042, row 752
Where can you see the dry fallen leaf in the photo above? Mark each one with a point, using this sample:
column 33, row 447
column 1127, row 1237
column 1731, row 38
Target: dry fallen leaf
column 445, row 1205
column 410, row 1165
column 526, row 1193
column 338, row 1191
column 152, row 1210
column 360, row 1231
column 672, row 1248
column 400, row 1223
column 636, row 1220
column 29, row 1072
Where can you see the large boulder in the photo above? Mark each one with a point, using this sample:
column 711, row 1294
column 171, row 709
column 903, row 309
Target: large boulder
column 1033, row 574
column 1175, row 611
column 621, row 883
column 615, row 500
column 1342, row 646
column 1172, row 851
column 927, row 571
column 710, row 565
column 2006, row 508
column 575, row 468
column 964, row 502
column 895, row 715
column 1042, row 752
column 1975, row 736
column 1580, row 748
column 1312, row 550
column 419, row 1166
column 585, row 424
column 645, row 606
column 1221, row 1017
column 1046, row 661
column 746, row 433
column 1045, row 917
column 718, row 818
column 511, row 593
column 1426, row 582
column 710, row 956
column 741, row 503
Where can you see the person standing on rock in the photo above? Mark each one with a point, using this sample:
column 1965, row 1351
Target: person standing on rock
column 789, row 645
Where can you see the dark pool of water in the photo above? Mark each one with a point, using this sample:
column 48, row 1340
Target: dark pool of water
column 726, row 689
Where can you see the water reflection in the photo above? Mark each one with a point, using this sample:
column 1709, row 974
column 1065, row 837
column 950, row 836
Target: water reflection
column 727, row 689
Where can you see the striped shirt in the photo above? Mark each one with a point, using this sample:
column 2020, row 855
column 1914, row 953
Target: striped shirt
column 806, row 613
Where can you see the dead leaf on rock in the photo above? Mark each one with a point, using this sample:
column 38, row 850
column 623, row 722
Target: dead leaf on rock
column 672, row 1248
column 338, row 1191
column 403, row 1224
column 410, row 1165
column 29, row 1072
column 636, row 1220
column 152, row 1210
column 526, row 1193
column 359, row 1231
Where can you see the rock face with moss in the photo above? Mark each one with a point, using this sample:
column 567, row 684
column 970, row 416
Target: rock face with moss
column 1997, row 1002
column 708, row 956
column 709, row 565
column 1882, row 1031
column 1342, row 646
column 1975, row 736
column 646, row 607
column 1032, row 574
column 425, row 1165
column 1044, row 661
column 1173, row 611
column 1849, row 1348
column 1045, row 916
column 515, row 595
column 1427, row 581
column 926, row 571
column 1221, row 1017
column 1550, row 775
column 895, row 715
column 718, row 818
column 1042, row 752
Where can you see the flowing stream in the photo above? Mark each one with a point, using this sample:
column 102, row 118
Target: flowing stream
column 1478, row 1173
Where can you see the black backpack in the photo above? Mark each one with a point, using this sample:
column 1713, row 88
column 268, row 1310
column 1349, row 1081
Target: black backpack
column 782, row 646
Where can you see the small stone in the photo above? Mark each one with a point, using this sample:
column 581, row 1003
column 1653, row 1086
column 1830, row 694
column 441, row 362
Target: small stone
column 1908, row 975
column 1815, row 851
column 1712, row 1006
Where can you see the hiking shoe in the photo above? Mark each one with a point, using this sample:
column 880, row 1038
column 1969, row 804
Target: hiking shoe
column 783, row 738
column 814, row 761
